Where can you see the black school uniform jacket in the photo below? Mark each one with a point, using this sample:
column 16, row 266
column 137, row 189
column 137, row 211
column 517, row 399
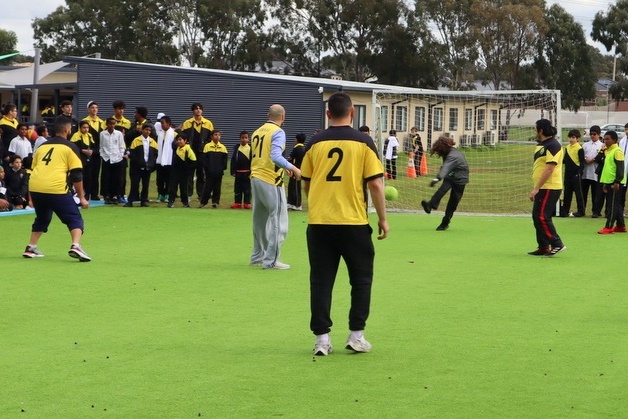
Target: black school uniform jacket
column 136, row 154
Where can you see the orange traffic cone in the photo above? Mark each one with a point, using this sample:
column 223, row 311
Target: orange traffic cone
column 411, row 172
column 423, row 168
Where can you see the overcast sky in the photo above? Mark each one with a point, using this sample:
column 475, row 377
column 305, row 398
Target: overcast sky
column 19, row 16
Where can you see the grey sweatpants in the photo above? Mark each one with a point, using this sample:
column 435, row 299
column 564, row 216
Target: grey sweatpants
column 270, row 222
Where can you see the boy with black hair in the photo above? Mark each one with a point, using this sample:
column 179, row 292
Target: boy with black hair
column 215, row 157
column 84, row 141
column 183, row 163
column 165, row 144
column 5, row 204
column 294, row 186
column 241, row 169
column 16, row 180
column 573, row 161
column 612, row 178
column 8, row 125
column 66, row 116
column 198, row 130
column 142, row 159
column 114, row 159
column 96, row 126
column 21, row 145
column 589, row 178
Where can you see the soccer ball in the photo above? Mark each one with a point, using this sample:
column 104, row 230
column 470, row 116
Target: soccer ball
column 390, row 193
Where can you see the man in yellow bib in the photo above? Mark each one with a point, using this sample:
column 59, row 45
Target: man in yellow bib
column 340, row 163
column 270, row 210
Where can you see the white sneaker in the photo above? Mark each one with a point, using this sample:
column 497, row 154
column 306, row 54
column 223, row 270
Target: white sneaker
column 278, row 265
column 32, row 252
column 358, row 344
column 322, row 349
column 77, row 252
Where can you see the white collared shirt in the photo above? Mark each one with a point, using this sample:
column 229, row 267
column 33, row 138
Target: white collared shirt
column 112, row 146
column 21, row 146
column 591, row 148
column 146, row 144
column 164, row 144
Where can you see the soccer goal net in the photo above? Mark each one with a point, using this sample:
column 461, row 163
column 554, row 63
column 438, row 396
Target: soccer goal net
column 494, row 130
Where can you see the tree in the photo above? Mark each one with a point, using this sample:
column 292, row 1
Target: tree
column 508, row 32
column 8, row 41
column 564, row 60
column 351, row 30
column 118, row 29
column 455, row 27
column 609, row 29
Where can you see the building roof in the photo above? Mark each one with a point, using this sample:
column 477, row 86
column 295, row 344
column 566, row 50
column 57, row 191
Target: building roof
column 21, row 76
column 327, row 84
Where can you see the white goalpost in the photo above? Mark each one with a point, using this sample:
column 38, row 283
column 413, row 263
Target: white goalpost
column 493, row 129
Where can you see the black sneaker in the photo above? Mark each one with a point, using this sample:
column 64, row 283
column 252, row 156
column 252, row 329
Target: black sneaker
column 578, row 214
column 595, row 215
column 539, row 252
column 442, row 227
column 170, row 204
column 555, row 250
column 426, row 206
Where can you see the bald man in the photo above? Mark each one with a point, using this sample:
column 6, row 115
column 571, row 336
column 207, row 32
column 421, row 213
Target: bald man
column 270, row 211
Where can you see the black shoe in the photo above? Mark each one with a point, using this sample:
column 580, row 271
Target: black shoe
column 595, row 215
column 108, row 201
column 144, row 204
column 539, row 252
column 186, row 205
column 442, row 227
column 578, row 214
column 128, row 204
column 171, row 204
column 555, row 250
column 426, row 206
column 94, row 198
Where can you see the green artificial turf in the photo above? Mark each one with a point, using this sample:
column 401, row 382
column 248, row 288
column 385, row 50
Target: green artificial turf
column 170, row 321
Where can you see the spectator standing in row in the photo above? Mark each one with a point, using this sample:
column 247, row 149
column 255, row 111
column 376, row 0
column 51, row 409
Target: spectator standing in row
column 21, row 145
column 124, row 126
column 42, row 136
column 96, row 126
column 612, row 178
column 8, row 125
column 241, row 170
column 198, row 130
column 417, row 149
column 84, row 141
column 573, row 161
column 5, row 204
column 67, row 116
column 215, row 158
column 183, row 164
column 112, row 152
column 623, row 146
column 390, row 152
column 589, row 180
column 294, row 186
column 165, row 146
column 142, row 159
column 16, row 180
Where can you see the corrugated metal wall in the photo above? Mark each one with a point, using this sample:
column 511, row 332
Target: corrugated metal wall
column 232, row 104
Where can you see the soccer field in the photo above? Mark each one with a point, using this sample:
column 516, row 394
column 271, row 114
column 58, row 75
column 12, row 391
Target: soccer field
column 168, row 320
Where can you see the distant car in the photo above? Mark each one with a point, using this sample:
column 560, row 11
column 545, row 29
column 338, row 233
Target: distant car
column 619, row 128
